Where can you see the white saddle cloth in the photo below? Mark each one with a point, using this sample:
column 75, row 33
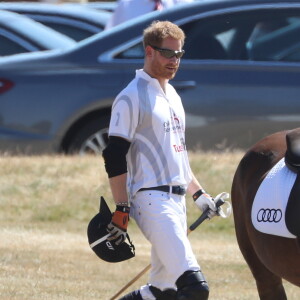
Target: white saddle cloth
column 269, row 206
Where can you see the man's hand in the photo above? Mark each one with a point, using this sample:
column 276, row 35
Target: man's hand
column 204, row 201
column 118, row 225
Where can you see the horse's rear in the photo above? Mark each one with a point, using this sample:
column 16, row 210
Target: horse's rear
column 269, row 257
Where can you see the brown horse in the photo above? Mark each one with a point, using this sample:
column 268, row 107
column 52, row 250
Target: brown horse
column 270, row 258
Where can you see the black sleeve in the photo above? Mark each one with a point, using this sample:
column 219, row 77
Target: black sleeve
column 114, row 156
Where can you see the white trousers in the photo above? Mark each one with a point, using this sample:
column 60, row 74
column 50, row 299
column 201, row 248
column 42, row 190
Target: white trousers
column 162, row 219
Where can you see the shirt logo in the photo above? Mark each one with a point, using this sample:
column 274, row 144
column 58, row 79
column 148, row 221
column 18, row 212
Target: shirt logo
column 174, row 126
column 181, row 147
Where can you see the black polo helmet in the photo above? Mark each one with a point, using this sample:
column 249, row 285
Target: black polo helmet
column 97, row 237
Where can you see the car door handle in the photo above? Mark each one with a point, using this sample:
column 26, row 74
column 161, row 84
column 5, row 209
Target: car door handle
column 184, row 85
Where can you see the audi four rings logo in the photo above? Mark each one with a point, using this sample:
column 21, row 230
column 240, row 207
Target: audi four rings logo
column 269, row 215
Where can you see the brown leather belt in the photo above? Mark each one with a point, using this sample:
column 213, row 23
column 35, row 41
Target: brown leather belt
column 174, row 189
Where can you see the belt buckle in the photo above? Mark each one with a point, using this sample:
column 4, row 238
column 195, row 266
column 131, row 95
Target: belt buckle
column 179, row 190
column 182, row 190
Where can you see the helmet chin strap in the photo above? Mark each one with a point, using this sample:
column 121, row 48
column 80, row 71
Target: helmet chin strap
column 130, row 244
column 97, row 242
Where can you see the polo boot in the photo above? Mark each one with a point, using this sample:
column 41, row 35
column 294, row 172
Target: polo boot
column 135, row 295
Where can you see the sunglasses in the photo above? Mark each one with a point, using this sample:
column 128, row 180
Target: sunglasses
column 167, row 53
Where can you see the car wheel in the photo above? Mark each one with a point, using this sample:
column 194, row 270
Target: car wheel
column 90, row 139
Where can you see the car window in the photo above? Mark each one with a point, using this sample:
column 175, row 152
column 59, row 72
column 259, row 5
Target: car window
column 134, row 52
column 265, row 35
column 276, row 41
column 75, row 33
column 9, row 47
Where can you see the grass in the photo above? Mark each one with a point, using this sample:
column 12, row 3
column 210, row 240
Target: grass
column 45, row 205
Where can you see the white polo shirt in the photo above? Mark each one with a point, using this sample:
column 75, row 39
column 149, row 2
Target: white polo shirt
column 129, row 9
column 154, row 123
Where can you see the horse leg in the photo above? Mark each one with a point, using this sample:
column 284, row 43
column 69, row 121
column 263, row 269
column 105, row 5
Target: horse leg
column 269, row 286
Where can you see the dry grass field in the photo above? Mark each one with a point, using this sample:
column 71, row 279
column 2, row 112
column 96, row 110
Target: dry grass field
column 45, row 205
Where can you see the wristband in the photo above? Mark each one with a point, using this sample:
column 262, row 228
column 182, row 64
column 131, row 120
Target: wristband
column 124, row 209
column 198, row 194
column 122, row 204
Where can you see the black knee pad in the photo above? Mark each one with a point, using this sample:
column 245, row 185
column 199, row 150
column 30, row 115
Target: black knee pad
column 135, row 295
column 192, row 285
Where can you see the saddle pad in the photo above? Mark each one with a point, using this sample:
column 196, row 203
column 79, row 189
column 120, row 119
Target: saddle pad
column 269, row 205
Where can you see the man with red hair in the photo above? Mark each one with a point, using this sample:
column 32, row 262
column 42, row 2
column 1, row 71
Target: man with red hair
column 149, row 173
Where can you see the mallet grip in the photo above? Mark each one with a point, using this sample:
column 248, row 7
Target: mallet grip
column 204, row 216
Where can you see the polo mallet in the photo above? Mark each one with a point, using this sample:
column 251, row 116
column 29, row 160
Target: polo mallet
column 219, row 200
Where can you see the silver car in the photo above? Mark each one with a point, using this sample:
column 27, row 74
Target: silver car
column 239, row 79
column 19, row 34
column 76, row 21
